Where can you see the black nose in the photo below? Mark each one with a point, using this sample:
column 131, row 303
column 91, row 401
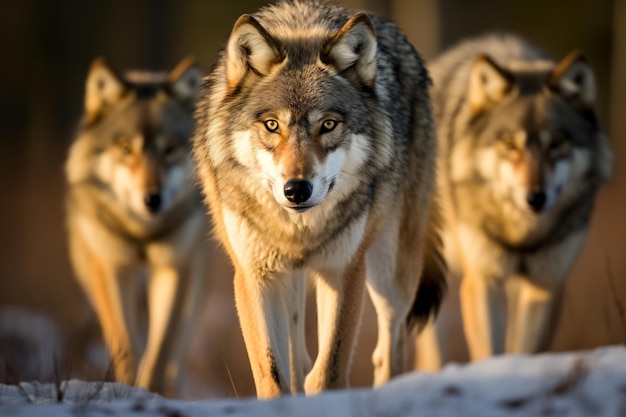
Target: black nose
column 153, row 202
column 536, row 200
column 298, row 191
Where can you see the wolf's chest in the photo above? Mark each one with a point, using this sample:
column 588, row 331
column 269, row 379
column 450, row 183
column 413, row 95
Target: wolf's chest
column 283, row 245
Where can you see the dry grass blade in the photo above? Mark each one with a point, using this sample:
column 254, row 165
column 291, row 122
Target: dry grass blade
column 12, row 378
column 580, row 370
column 617, row 301
column 230, row 377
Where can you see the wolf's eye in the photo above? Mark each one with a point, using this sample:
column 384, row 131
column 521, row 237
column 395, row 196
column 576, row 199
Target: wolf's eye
column 557, row 143
column 509, row 144
column 560, row 140
column 169, row 150
column 328, row 126
column 271, row 125
column 506, row 140
column 126, row 147
column 559, row 147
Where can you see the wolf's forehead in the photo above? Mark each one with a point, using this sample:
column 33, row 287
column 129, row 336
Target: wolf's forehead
column 306, row 99
column 150, row 118
column 300, row 30
column 537, row 65
column 530, row 76
column 302, row 19
column 531, row 82
column 301, row 52
column 541, row 113
column 291, row 117
column 313, row 35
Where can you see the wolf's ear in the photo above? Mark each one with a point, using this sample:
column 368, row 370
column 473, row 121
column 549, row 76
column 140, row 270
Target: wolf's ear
column 184, row 81
column 353, row 48
column 250, row 48
column 488, row 83
column 103, row 88
column 573, row 79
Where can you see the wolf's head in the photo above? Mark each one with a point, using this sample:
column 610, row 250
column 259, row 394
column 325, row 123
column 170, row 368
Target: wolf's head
column 135, row 138
column 537, row 137
column 298, row 121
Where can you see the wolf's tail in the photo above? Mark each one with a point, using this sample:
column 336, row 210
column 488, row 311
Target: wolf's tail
column 432, row 286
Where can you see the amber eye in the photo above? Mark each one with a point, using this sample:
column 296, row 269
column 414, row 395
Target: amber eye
column 125, row 146
column 271, row 125
column 328, row 126
column 506, row 140
column 509, row 145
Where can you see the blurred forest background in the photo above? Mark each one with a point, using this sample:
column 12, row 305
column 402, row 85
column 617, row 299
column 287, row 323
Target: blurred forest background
column 47, row 47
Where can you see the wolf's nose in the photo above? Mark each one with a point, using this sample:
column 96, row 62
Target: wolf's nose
column 536, row 200
column 153, row 202
column 298, row 191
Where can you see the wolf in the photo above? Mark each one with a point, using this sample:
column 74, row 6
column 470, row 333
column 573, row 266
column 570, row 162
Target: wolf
column 523, row 154
column 133, row 208
column 316, row 152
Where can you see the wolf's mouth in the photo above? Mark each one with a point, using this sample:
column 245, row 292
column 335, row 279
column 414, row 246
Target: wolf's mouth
column 299, row 209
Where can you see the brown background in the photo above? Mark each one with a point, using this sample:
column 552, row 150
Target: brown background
column 46, row 50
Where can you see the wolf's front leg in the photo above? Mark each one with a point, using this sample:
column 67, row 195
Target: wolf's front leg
column 429, row 349
column 339, row 306
column 175, row 289
column 392, row 280
column 533, row 312
column 296, row 304
column 165, row 293
column 264, row 323
column 483, row 315
column 114, row 294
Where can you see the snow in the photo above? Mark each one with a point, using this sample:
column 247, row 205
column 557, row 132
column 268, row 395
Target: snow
column 591, row 383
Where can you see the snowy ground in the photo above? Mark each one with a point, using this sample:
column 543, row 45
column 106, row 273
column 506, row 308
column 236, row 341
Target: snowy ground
column 589, row 383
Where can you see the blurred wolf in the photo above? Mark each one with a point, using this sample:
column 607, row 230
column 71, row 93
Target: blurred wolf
column 522, row 157
column 316, row 151
column 131, row 205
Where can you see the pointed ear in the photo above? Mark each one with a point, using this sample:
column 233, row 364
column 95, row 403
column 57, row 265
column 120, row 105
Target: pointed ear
column 250, row 48
column 184, row 81
column 573, row 79
column 103, row 89
column 488, row 83
column 353, row 47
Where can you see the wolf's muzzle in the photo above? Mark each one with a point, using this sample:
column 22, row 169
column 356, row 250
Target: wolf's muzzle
column 298, row 191
column 536, row 200
column 153, row 202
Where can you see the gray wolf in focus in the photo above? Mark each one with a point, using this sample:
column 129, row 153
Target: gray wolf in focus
column 316, row 152
column 132, row 208
column 522, row 156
